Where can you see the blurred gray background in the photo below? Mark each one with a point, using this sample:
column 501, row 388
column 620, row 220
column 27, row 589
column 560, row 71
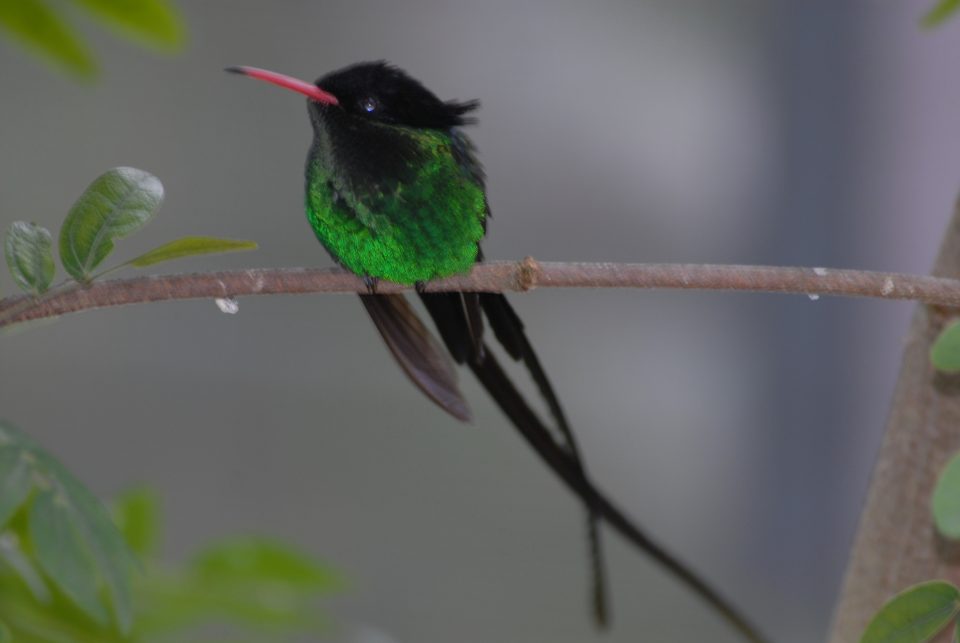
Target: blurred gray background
column 740, row 429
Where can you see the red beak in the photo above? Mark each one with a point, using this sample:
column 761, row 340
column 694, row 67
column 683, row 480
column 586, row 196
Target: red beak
column 309, row 90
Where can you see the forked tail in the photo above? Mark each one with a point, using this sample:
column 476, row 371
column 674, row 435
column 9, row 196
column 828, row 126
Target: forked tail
column 460, row 323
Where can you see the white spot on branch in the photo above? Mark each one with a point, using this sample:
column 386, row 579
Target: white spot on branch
column 227, row 305
column 258, row 280
column 887, row 288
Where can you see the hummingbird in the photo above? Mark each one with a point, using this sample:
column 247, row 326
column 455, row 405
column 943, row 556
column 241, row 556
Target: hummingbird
column 395, row 192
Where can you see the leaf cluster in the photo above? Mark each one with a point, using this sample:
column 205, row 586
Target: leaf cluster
column 67, row 573
column 43, row 27
column 115, row 205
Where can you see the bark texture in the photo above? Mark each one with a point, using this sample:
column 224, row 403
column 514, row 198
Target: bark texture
column 896, row 544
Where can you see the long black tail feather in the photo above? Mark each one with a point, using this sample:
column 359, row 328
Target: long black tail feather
column 493, row 378
column 459, row 322
column 459, row 319
column 508, row 329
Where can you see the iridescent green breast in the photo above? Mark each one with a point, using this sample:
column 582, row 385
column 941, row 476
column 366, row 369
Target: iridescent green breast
column 420, row 220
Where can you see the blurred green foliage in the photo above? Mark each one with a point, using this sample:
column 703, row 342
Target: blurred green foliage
column 939, row 14
column 44, row 27
column 61, row 532
column 67, row 573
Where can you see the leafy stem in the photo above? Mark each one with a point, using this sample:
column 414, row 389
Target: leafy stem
column 115, row 205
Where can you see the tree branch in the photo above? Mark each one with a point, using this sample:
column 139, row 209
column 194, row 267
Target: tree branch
column 495, row 276
column 896, row 544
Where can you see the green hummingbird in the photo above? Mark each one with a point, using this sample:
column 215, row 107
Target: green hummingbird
column 395, row 192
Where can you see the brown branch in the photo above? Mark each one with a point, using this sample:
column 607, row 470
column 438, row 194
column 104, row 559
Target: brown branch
column 896, row 544
column 495, row 276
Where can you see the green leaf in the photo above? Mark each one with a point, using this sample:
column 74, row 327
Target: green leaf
column 29, row 254
column 113, row 560
column 60, row 549
column 15, row 480
column 115, row 205
column 245, row 580
column 74, row 542
column 137, row 513
column 35, row 24
column 56, row 622
column 945, row 352
column 189, row 247
column 915, row 615
column 187, row 601
column 945, row 502
column 261, row 561
column 153, row 22
column 939, row 14
column 13, row 556
column 255, row 583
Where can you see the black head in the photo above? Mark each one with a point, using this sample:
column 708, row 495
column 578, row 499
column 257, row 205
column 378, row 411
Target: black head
column 382, row 92
column 374, row 91
column 364, row 117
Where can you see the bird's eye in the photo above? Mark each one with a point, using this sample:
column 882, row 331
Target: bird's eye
column 368, row 104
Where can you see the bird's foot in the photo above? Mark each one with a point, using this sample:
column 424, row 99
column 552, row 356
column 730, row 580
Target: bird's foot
column 371, row 284
column 420, row 286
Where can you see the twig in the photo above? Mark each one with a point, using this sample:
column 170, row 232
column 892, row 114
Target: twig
column 495, row 276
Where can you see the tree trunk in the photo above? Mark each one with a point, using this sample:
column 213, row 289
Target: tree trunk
column 896, row 544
